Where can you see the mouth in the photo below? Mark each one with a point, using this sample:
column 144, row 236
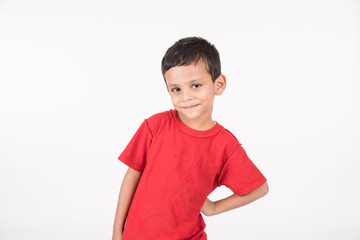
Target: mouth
column 190, row 107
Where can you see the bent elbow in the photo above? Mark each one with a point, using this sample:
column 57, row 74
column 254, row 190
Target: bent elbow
column 264, row 189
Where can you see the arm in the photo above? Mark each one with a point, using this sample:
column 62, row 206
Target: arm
column 127, row 190
column 234, row 201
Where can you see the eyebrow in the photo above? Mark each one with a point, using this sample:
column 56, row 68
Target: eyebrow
column 192, row 81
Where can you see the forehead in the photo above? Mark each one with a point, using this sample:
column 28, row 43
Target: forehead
column 187, row 73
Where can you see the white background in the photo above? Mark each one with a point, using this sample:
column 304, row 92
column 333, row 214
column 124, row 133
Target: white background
column 78, row 78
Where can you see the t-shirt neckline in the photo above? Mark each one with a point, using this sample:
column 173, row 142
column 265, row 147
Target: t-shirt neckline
column 191, row 131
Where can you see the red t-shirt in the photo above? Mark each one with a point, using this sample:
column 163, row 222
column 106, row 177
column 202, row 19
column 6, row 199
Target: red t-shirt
column 180, row 167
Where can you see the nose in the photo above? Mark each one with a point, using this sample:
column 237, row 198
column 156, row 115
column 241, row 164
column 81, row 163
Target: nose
column 187, row 95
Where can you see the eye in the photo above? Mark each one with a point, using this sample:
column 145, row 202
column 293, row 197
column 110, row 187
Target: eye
column 196, row 85
column 175, row 89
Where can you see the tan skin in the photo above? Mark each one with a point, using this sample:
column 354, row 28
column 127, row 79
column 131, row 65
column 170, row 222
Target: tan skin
column 192, row 93
column 211, row 208
column 192, row 85
column 127, row 190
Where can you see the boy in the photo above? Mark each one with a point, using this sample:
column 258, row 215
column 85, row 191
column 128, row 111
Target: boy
column 178, row 157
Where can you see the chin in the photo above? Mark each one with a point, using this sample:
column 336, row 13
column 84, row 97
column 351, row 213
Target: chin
column 190, row 115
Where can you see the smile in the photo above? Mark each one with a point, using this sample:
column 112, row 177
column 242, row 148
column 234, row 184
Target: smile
column 190, row 107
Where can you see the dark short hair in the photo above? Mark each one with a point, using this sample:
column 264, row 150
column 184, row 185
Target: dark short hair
column 190, row 50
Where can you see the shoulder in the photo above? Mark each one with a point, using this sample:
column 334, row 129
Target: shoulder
column 229, row 137
column 229, row 142
column 158, row 117
column 157, row 120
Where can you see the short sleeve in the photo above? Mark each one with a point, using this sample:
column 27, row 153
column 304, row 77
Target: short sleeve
column 135, row 153
column 240, row 174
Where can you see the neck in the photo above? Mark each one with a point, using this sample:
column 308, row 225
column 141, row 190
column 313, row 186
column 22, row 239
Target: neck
column 198, row 124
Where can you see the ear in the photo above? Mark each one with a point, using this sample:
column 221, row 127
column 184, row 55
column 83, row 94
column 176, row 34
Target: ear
column 220, row 85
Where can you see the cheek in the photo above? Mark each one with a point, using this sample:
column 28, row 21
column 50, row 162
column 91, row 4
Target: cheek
column 206, row 95
column 174, row 99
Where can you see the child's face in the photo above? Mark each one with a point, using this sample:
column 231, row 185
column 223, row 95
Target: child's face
column 192, row 91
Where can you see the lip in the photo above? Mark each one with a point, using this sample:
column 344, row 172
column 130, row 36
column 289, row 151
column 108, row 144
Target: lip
column 190, row 107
